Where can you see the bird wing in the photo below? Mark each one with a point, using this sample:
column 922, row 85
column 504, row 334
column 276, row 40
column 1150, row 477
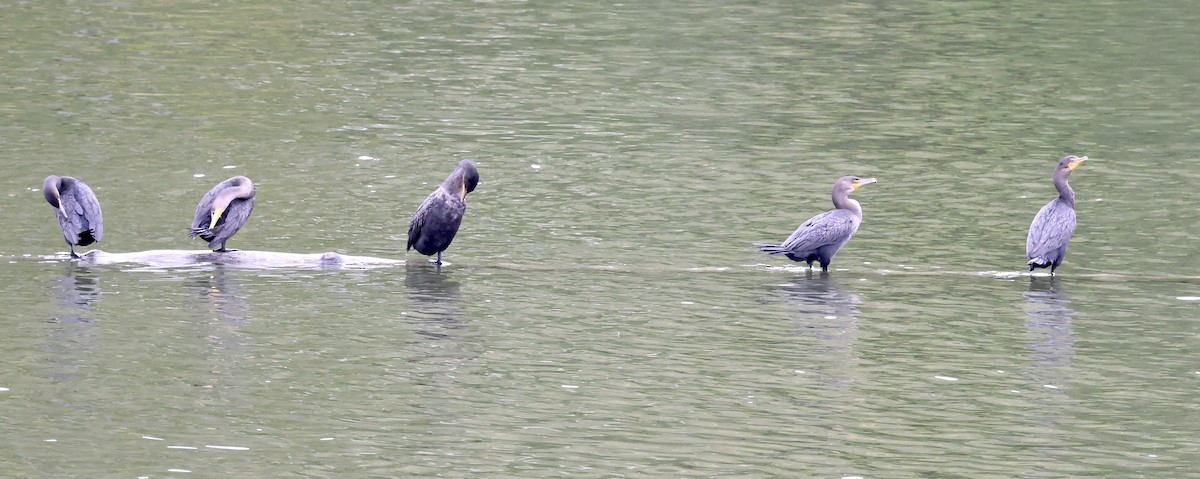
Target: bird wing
column 417, row 222
column 436, row 222
column 824, row 229
column 234, row 218
column 1051, row 229
column 82, row 212
column 204, row 211
column 88, row 208
column 70, row 218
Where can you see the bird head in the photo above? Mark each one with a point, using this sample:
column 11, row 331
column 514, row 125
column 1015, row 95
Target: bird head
column 470, row 176
column 860, row 182
column 216, row 215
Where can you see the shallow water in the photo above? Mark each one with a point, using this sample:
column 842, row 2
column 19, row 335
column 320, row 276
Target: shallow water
column 603, row 313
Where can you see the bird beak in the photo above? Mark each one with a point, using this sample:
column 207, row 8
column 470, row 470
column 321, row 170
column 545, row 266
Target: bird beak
column 865, row 181
column 216, row 215
column 1076, row 162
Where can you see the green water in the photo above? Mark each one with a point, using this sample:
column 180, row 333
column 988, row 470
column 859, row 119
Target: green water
column 604, row 313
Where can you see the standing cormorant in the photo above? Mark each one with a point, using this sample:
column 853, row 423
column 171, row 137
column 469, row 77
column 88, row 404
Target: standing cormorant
column 1054, row 224
column 436, row 221
column 819, row 238
column 223, row 211
column 77, row 209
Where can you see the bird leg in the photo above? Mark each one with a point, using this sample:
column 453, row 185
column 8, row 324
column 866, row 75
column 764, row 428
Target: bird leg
column 73, row 255
column 438, row 261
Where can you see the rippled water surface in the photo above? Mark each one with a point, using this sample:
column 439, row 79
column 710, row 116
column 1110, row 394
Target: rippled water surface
column 604, row 313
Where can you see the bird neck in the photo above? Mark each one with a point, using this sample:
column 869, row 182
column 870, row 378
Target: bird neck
column 50, row 190
column 455, row 184
column 1065, row 193
column 242, row 190
column 843, row 202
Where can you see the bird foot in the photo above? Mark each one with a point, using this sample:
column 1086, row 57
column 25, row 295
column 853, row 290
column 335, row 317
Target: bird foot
column 224, row 250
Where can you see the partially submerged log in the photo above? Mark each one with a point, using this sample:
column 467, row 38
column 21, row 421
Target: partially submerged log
column 166, row 258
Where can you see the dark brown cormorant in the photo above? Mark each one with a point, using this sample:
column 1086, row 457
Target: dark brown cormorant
column 436, row 221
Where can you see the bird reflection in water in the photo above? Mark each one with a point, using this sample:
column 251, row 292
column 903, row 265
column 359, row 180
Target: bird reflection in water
column 73, row 334
column 222, row 295
column 224, row 310
column 819, row 293
column 834, row 310
column 436, row 297
column 1049, row 326
column 79, row 287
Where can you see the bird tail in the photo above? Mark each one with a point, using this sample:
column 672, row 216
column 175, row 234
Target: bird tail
column 204, row 233
column 86, row 237
column 770, row 248
column 1038, row 263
